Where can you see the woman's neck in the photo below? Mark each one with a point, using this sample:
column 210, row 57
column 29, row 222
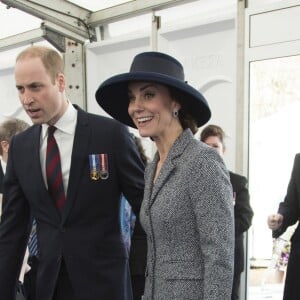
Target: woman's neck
column 165, row 144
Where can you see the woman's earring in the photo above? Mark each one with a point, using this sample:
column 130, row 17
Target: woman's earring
column 175, row 113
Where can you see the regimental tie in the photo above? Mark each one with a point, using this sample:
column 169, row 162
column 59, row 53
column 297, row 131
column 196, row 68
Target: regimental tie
column 53, row 170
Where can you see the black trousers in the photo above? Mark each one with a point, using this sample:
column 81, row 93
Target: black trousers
column 292, row 286
column 138, row 286
column 30, row 278
column 235, row 295
column 63, row 290
column 21, row 292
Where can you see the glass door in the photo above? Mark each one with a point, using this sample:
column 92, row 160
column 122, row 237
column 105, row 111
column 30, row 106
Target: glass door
column 273, row 142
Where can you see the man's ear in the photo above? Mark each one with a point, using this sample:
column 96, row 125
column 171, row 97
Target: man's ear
column 61, row 82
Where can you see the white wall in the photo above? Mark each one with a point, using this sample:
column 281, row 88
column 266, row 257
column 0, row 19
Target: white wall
column 203, row 42
column 201, row 34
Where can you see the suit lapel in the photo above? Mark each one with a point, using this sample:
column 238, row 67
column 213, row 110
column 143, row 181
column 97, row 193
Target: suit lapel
column 80, row 146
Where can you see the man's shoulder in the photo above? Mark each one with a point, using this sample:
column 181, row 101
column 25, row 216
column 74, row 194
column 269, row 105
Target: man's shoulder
column 103, row 119
column 297, row 158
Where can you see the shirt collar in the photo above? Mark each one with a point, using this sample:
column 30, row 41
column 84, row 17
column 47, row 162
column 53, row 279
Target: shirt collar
column 66, row 123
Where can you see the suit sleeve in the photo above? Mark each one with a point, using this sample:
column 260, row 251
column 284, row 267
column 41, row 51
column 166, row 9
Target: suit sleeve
column 130, row 169
column 131, row 174
column 14, row 229
column 290, row 208
column 243, row 212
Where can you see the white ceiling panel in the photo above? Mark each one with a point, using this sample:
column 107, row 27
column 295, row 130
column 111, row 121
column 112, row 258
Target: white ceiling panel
column 95, row 5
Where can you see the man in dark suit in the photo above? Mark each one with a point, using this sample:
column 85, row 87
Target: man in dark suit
column 289, row 214
column 81, row 252
column 213, row 135
column 1, row 179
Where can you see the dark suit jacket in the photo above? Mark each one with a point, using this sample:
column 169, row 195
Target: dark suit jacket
column 290, row 207
column 1, row 179
column 243, row 214
column 86, row 233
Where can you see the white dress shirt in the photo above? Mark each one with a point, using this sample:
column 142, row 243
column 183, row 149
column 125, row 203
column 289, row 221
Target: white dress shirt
column 64, row 135
column 3, row 164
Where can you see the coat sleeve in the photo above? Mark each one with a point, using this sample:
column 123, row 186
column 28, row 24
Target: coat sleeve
column 290, row 207
column 211, row 194
column 243, row 212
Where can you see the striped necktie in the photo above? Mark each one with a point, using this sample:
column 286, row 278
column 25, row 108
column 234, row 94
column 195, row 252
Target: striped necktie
column 53, row 170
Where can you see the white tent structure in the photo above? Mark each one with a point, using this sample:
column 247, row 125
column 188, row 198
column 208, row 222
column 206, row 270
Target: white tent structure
column 242, row 54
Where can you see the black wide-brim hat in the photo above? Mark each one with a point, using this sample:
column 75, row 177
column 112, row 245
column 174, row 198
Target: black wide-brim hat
column 112, row 94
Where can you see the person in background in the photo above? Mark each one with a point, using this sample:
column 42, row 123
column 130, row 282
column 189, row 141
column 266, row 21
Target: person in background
column 187, row 211
column 8, row 129
column 214, row 136
column 68, row 172
column 288, row 214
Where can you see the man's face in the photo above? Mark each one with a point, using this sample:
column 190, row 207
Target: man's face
column 42, row 99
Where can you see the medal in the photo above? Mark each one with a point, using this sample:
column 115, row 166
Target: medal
column 103, row 166
column 98, row 166
column 94, row 166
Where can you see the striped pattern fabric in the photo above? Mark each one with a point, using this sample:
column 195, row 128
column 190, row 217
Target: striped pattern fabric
column 32, row 243
column 53, row 170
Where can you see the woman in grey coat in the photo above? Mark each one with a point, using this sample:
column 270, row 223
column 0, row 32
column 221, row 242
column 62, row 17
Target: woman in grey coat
column 187, row 211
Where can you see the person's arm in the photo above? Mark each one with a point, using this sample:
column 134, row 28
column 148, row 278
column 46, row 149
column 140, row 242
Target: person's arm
column 289, row 208
column 131, row 174
column 211, row 194
column 243, row 212
column 130, row 169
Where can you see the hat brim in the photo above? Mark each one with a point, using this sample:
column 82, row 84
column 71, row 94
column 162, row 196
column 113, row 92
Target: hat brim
column 112, row 96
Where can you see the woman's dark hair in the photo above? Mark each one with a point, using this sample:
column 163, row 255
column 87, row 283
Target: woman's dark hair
column 185, row 118
column 141, row 149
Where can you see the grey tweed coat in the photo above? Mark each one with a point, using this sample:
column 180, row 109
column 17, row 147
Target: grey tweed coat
column 188, row 217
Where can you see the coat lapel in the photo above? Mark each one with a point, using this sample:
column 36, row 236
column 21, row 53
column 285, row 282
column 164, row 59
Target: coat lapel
column 80, row 146
column 168, row 167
